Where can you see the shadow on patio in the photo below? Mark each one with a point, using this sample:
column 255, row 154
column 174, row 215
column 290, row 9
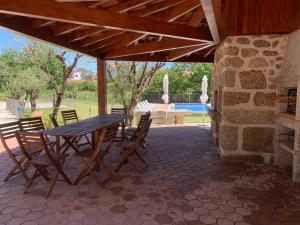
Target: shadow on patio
column 186, row 183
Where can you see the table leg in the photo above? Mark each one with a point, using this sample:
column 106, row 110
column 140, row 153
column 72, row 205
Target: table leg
column 57, row 144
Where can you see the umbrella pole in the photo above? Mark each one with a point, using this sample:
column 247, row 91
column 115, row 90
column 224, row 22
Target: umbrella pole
column 166, row 113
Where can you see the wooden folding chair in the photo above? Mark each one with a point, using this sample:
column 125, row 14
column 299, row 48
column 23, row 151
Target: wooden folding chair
column 93, row 160
column 120, row 111
column 131, row 146
column 7, row 134
column 132, row 131
column 42, row 162
column 36, row 124
column 70, row 116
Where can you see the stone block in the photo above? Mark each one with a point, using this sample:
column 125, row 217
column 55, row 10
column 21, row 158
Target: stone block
column 228, row 138
column 231, row 50
column 235, row 62
column 270, row 53
column 243, row 40
column 258, row 62
column 249, row 52
column 228, row 78
column 261, row 43
column 249, row 116
column 253, row 79
column 235, row 98
column 264, row 99
column 258, row 139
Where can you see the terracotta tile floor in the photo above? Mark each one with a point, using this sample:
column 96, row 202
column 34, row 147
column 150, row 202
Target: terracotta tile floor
column 186, row 184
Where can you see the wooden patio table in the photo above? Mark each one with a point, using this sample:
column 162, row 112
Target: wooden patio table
column 87, row 126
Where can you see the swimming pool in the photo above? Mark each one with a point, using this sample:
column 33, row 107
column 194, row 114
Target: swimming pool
column 194, row 107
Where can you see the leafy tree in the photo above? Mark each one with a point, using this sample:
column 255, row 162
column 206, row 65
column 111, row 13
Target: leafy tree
column 129, row 80
column 31, row 81
column 57, row 63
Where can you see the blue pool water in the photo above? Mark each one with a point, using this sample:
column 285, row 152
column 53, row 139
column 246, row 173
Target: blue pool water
column 196, row 107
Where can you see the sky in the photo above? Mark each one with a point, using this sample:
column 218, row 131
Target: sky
column 10, row 39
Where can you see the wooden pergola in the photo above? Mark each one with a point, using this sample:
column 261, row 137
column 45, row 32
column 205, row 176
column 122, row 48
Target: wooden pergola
column 146, row 30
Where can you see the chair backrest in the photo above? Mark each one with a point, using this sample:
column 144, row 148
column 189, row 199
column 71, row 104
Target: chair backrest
column 142, row 134
column 110, row 137
column 144, row 118
column 69, row 116
column 32, row 124
column 111, row 132
column 8, row 131
column 28, row 140
column 119, row 111
column 53, row 120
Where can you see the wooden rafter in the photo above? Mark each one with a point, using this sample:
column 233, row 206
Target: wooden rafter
column 210, row 9
column 41, row 23
column 179, row 53
column 119, row 8
column 47, row 9
column 155, row 46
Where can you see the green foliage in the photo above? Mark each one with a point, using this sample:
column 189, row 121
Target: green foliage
column 183, row 78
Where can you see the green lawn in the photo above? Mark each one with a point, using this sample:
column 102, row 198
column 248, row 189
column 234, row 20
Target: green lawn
column 88, row 107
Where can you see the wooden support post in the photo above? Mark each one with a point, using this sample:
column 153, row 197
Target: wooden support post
column 101, row 80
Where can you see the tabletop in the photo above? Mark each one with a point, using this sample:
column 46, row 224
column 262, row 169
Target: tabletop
column 85, row 126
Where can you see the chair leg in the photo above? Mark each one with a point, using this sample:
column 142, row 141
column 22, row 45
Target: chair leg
column 29, row 183
column 141, row 158
column 51, row 185
column 17, row 169
column 84, row 172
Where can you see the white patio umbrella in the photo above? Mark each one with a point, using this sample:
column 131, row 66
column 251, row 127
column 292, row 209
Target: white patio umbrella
column 204, row 86
column 165, row 96
column 204, row 96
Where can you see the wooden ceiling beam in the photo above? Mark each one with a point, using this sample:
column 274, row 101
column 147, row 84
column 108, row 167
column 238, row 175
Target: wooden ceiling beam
column 37, row 23
column 65, row 29
column 24, row 27
column 211, row 8
column 179, row 53
column 79, row 14
column 142, row 13
column 155, row 46
column 120, row 8
column 163, row 58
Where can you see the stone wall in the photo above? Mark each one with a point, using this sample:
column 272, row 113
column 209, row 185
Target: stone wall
column 244, row 79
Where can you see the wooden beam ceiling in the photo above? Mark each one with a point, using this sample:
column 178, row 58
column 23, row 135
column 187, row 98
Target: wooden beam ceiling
column 48, row 9
column 130, row 38
column 143, row 13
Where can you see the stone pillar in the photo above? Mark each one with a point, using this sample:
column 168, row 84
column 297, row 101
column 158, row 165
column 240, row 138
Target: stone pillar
column 244, row 76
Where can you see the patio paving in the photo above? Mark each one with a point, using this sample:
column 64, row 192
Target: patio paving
column 186, row 184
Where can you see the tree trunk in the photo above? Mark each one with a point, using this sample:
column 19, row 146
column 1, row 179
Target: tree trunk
column 58, row 100
column 33, row 98
column 130, row 108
